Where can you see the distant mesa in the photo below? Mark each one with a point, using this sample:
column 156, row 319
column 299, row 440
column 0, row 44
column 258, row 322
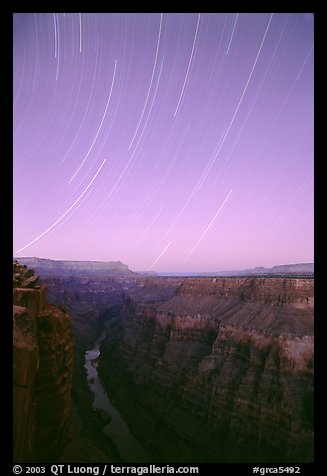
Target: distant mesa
column 75, row 268
column 284, row 269
column 289, row 270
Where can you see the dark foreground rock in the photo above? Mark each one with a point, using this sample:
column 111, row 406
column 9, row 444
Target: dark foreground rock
column 42, row 357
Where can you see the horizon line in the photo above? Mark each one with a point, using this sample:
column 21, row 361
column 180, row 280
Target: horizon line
column 158, row 271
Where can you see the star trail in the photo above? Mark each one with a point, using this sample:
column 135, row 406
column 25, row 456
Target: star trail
column 169, row 141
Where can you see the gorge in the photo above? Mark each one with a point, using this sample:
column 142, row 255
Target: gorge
column 207, row 369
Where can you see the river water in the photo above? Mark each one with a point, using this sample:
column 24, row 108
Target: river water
column 130, row 449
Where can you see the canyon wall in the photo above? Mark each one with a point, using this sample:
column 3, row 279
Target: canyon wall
column 216, row 369
column 42, row 371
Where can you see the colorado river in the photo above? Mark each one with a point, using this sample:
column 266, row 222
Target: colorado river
column 117, row 430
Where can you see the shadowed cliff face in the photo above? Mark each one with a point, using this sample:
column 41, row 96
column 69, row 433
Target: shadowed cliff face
column 42, row 357
column 217, row 369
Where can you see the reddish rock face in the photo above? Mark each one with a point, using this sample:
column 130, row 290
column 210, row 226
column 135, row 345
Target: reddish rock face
column 217, row 370
column 42, row 352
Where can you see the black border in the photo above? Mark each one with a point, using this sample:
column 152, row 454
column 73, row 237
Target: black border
column 314, row 7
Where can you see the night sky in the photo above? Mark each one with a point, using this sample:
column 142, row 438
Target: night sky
column 171, row 142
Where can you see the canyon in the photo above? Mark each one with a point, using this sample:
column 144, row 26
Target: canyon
column 202, row 369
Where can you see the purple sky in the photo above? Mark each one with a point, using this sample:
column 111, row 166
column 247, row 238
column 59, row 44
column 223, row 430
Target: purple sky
column 172, row 142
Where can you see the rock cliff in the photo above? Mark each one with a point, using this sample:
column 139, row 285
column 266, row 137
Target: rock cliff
column 42, row 371
column 216, row 369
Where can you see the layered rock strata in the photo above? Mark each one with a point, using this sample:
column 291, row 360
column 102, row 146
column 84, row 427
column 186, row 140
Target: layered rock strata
column 220, row 370
column 42, row 371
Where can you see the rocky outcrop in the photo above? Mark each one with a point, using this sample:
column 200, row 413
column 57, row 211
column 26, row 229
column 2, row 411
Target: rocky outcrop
column 42, row 373
column 219, row 370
